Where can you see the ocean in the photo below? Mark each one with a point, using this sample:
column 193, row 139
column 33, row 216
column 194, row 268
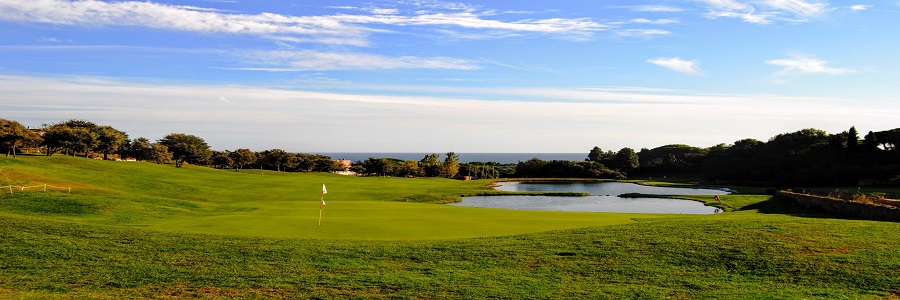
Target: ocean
column 503, row 158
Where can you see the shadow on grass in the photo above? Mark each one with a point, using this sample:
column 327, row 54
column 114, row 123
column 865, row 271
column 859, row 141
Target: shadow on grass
column 785, row 206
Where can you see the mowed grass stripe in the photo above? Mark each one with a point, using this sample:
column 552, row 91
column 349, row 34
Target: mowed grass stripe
column 270, row 204
column 386, row 220
column 133, row 231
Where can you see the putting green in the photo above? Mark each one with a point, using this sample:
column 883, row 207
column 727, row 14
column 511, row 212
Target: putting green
column 368, row 220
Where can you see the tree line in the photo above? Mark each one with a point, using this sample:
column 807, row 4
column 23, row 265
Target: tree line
column 85, row 138
column 808, row 157
column 805, row 157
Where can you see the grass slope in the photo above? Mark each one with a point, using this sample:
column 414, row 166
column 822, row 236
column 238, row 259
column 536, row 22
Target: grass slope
column 761, row 249
column 267, row 204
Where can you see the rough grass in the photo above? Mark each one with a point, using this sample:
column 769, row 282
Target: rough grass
column 88, row 245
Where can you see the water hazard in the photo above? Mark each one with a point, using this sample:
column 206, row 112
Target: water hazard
column 605, row 198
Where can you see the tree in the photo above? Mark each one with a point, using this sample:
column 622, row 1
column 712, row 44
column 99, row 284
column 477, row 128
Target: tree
column 358, row 168
column 409, row 168
column 221, row 159
column 451, row 165
column 186, row 148
column 869, row 142
column 378, row 166
column 13, row 134
column 110, row 140
column 322, row 163
column 595, row 154
column 58, row 138
column 676, row 158
column 531, row 168
column 160, row 153
column 241, row 158
column 852, row 141
column 84, row 134
column 432, row 165
column 274, row 158
column 72, row 135
column 140, row 149
column 627, row 160
column 479, row 170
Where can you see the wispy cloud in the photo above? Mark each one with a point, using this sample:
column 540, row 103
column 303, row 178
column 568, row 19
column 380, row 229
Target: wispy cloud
column 766, row 11
column 329, row 29
column 440, row 5
column 49, row 40
column 798, row 64
column 180, row 18
column 653, row 8
column 860, row 7
column 573, row 119
column 656, row 22
column 678, row 65
column 308, row 60
column 385, row 11
column 801, row 8
column 642, row 32
column 478, row 35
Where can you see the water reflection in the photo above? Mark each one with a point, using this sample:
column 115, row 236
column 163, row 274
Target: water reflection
column 602, row 188
column 605, row 200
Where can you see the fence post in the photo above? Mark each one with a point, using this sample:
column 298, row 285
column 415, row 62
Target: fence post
column 45, row 188
column 70, row 190
column 10, row 189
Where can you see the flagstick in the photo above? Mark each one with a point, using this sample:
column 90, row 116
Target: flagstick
column 320, row 209
column 322, row 203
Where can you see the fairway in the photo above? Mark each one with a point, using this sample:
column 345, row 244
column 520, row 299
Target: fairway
column 272, row 204
column 139, row 230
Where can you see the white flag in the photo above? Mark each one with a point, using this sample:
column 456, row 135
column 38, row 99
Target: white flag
column 324, row 191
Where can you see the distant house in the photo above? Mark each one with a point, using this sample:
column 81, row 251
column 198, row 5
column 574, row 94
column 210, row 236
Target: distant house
column 345, row 163
column 345, row 167
column 39, row 131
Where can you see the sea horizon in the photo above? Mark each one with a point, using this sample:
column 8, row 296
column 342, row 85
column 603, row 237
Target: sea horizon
column 464, row 157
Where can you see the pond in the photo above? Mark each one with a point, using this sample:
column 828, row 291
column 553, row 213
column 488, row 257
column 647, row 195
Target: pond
column 605, row 198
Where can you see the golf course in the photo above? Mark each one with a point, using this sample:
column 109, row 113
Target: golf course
column 113, row 230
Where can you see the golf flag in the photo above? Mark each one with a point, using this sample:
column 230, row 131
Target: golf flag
column 324, row 191
column 321, row 204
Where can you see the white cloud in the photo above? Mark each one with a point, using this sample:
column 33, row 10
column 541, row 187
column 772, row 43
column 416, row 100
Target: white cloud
column 385, row 11
column 801, row 64
column 440, row 5
column 554, row 119
column 799, row 7
column 678, row 65
column 766, row 11
column 860, row 7
column 642, row 32
column 518, row 12
column 657, row 21
column 579, row 26
column 654, row 8
column 181, row 18
column 308, row 60
column 49, row 40
column 479, row 35
column 330, row 29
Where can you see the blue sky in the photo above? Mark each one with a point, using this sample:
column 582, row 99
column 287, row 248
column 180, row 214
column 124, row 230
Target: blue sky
column 436, row 76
